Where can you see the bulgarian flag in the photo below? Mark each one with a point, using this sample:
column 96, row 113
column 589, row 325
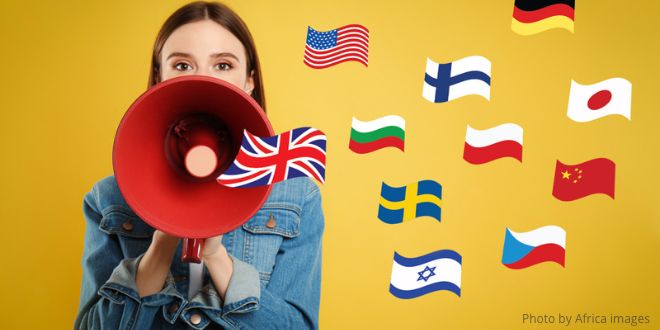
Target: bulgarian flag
column 388, row 131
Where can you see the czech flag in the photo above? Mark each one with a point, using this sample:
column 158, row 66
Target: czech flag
column 522, row 250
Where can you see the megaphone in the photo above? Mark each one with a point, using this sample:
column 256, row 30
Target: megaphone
column 171, row 145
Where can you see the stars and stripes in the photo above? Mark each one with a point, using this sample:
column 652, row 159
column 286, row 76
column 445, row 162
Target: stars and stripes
column 264, row 161
column 347, row 43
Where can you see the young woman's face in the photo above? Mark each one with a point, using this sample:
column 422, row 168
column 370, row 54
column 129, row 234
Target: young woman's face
column 205, row 48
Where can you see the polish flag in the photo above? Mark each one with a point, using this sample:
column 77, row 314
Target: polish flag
column 483, row 146
column 608, row 97
column 594, row 176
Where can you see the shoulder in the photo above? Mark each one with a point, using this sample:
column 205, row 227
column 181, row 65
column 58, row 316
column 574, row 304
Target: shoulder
column 297, row 190
column 105, row 193
column 299, row 196
column 115, row 216
column 291, row 203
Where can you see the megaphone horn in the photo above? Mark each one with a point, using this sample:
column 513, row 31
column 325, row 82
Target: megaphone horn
column 170, row 146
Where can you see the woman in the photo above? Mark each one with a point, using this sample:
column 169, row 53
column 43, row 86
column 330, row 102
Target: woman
column 264, row 274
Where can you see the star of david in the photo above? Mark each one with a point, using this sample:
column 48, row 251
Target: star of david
column 431, row 272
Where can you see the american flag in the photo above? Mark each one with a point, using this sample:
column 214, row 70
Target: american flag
column 264, row 161
column 347, row 43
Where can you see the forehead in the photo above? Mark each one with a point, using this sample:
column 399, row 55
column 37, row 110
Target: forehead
column 202, row 39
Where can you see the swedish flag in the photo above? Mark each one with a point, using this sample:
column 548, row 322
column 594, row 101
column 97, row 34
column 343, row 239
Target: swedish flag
column 398, row 204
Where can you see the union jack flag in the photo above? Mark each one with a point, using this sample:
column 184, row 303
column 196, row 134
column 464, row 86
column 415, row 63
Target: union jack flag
column 264, row 161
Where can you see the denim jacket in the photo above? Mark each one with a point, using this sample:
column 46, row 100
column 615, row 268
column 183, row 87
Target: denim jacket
column 275, row 282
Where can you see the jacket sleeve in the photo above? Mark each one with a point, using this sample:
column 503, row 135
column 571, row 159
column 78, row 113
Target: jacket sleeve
column 291, row 299
column 109, row 298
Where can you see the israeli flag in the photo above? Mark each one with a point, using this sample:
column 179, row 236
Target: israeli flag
column 414, row 277
column 446, row 82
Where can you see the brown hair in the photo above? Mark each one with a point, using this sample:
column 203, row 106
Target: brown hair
column 223, row 15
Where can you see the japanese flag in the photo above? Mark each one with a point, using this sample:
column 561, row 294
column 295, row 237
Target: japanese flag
column 608, row 97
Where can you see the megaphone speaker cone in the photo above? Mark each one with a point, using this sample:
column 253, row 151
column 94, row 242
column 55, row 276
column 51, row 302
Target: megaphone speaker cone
column 164, row 154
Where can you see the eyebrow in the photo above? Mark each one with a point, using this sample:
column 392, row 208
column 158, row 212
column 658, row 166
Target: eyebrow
column 216, row 55
column 177, row 54
column 226, row 54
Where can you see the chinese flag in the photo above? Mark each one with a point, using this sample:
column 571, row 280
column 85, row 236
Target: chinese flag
column 591, row 177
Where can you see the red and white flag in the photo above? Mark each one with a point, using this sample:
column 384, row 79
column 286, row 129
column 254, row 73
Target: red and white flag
column 482, row 146
column 608, row 97
column 594, row 176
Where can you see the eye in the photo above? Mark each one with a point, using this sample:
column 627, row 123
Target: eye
column 182, row 66
column 223, row 66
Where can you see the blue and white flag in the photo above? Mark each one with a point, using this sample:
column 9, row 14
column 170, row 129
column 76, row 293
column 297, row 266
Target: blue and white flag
column 449, row 81
column 414, row 277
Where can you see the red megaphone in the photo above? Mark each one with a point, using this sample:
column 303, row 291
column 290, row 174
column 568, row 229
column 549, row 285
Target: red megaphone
column 171, row 145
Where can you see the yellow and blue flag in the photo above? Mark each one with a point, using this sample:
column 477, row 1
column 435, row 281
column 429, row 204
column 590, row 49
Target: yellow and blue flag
column 398, row 204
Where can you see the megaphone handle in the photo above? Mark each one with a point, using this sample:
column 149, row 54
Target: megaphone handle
column 192, row 250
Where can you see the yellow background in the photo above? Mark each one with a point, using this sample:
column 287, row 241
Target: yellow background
column 71, row 68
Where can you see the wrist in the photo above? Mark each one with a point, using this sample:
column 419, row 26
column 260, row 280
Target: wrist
column 219, row 258
column 161, row 252
column 155, row 262
column 153, row 269
column 221, row 269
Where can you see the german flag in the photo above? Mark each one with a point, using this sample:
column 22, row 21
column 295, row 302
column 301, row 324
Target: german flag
column 535, row 16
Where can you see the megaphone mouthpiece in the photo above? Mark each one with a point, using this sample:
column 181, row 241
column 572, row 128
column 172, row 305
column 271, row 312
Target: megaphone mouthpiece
column 199, row 146
column 201, row 161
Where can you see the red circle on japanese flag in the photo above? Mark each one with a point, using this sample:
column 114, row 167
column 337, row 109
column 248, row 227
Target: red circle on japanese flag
column 599, row 100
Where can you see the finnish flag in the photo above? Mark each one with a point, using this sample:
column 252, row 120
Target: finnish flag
column 449, row 81
column 414, row 277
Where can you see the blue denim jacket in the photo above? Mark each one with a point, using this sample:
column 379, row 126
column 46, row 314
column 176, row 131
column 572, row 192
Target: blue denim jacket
column 275, row 282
